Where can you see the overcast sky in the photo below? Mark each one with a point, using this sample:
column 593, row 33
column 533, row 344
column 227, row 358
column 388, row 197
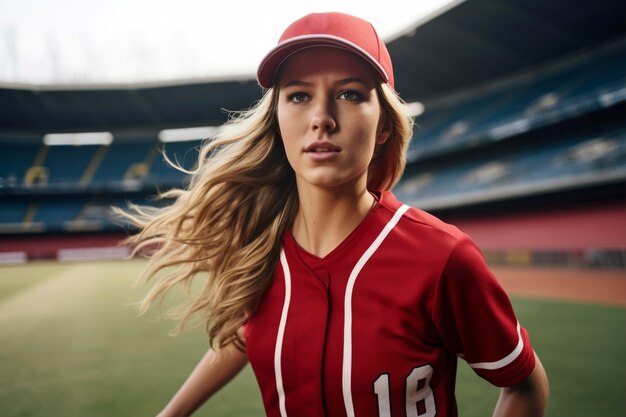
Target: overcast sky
column 126, row 41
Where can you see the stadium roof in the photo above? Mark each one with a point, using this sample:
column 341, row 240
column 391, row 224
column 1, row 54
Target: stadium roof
column 472, row 43
column 480, row 40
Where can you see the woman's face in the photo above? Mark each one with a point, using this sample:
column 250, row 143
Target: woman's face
column 329, row 117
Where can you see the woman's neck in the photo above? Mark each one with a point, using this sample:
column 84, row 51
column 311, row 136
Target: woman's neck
column 326, row 217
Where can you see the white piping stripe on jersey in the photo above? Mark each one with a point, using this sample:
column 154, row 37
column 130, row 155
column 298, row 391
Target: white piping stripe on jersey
column 281, row 332
column 347, row 324
column 507, row 359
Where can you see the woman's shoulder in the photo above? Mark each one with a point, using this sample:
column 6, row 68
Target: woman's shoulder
column 420, row 221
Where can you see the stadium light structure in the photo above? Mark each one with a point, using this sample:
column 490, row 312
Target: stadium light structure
column 78, row 139
column 415, row 108
column 189, row 133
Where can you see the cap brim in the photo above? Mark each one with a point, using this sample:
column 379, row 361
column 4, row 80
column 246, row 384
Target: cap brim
column 274, row 59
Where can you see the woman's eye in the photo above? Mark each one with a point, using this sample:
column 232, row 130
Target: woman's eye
column 297, row 97
column 351, row 95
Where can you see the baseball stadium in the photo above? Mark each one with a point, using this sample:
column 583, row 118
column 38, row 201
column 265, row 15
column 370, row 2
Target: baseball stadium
column 519, row 140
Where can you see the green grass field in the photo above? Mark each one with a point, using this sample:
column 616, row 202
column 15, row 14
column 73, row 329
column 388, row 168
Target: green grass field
column 72, row 345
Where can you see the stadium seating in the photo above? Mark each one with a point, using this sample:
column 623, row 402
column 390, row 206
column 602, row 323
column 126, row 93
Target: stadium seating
column 184, row 154
column 55, row 213
column 580, row 159
column 518, row 105
column 58, row 168
column 116, row 166
column 13, row 212
column 15, row 159
column 71, row 188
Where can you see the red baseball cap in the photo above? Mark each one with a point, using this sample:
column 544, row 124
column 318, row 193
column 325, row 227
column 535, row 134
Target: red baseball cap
column 338, row 30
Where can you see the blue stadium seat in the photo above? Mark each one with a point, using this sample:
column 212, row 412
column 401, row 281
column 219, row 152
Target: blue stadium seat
column 119, row 159
column 54, row 212
column 580, row 158
column 13, row 211
column 516, row 107
column 67, row 164
column 15, row 159
column 184, row 154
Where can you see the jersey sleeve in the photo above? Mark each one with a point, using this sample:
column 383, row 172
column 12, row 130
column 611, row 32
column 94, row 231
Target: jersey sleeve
column 476, row 321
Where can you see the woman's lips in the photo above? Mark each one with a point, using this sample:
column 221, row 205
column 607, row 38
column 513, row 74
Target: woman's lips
column 322, row 151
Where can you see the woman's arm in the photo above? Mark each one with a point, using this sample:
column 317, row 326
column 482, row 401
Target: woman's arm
column 529, row 398
column 213, row 371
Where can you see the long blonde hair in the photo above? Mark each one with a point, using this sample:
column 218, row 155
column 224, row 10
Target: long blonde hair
column 227, row 224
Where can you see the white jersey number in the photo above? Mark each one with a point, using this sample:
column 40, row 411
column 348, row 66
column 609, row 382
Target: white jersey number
column 420, row 400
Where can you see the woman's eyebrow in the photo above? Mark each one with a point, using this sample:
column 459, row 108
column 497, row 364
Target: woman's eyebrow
column 352, row 80
column 298, row 83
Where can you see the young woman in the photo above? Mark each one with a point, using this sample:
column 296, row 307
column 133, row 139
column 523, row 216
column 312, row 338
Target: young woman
column 345, row 301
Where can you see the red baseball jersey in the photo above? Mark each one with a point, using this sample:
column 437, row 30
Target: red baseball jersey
column 375, row 327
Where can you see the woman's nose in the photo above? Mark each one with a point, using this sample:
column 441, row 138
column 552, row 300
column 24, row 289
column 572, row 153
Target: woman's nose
column 323, row 119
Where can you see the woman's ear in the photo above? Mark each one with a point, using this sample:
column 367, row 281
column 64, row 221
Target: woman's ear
column 384, row 129
column 383, row 136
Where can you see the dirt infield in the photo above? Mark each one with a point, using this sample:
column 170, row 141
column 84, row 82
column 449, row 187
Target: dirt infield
column 605, row 287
